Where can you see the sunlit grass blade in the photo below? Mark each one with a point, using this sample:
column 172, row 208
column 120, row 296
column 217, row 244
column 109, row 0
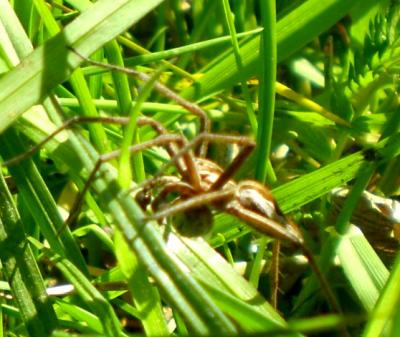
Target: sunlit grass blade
column 146, row 297
column 88, row 293
column 293, row 31
column 175, row 52
column 21, row 270
column 266, row 109
column 211, row 268
column 363, row 268
column 386, row 309
column 25, row 85
column 39, row 201
column 239, row 64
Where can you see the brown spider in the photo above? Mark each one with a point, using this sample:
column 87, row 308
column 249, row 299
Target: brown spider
column 202, row 183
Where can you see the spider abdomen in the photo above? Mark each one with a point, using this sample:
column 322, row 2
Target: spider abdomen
column 193, row 223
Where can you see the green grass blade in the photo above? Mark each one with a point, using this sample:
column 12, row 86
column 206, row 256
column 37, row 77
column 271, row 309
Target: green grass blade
column 313, row 185
column 97, row 133
column 131, row 137
column 266, row 111
column 187, row 49
column 293, row 31
column 239, row 63
column 145, row 296
column 387, row 306
column 40, row 202
column 121, row 83
column 21, row 270
column 79, row 319
column 88, row 293
column 211, row 268
column 363, row 268
column 266, row 92
column 51, row 63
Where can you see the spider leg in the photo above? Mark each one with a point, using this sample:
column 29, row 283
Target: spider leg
column 70, row 123
column 245, row 142
column 209, row 198
column 167, row 92
column 186, row 169
column 184, row 189
column 160, row 140
column 286, row 232
column 274, row 273
column 67, row 125
column 326, row 288
column 232, row 168
column 265, row 225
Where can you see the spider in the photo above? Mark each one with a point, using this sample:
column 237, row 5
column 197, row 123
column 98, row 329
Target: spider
column 201, row 185
column 204, row 185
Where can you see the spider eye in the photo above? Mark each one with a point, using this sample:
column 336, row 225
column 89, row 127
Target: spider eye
column 194, row 222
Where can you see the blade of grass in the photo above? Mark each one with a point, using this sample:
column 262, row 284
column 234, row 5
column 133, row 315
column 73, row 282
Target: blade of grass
column 365, row 271
column 131, row 136
column 21, row 270
column 79, row 319
column 27, row 177
column 124, row 98
column 244, row 312
column 266, row 92
column 187, row 49
column 121, row 83
column 239, row 64
column 95, row 82
column 387, row 306
column 303, row 101
column 88, row 293
column 265, row 113
column 51, row 63
column 144, row 295
column 210, row 267
column 97, row 133
column 139, row 49
column 293, row 31
column 313, row 185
